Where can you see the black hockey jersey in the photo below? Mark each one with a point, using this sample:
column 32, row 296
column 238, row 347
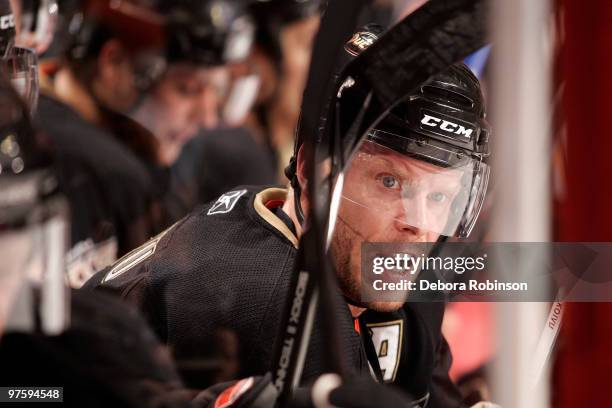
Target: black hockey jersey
column 109, row 191
column 216, row 160
column 220, row 278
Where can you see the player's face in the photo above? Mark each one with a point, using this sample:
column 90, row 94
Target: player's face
column 115, row 81
column 121, row 85
column 184, row 100
column 388, row 197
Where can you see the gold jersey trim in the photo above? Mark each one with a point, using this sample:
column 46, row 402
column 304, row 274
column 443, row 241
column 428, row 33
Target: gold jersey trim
column 271, row 218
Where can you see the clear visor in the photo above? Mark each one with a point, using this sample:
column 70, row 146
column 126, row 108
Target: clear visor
column 22, row 68
column 239, row 41
column 241, row 94
column 37, row 21
column 32, row 247
column 425, row 187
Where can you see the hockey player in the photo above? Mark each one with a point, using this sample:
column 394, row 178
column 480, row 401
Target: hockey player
column 109, row 54
column 100, row 352
column 207, row 40
column 416, row 178
column 218, row 160
column 190, row 94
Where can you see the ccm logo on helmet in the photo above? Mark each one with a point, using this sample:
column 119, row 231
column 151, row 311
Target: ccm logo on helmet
column 446, row 126
column 7, row 22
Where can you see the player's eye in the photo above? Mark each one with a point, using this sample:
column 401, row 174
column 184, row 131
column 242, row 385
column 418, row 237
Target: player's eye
column 437, row 197
column 389, row 181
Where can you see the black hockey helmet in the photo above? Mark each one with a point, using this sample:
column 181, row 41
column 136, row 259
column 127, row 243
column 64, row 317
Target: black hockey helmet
column 448, row 110
column 438, row 132
column 89, row 24
column 272, row 15
column 208, row 32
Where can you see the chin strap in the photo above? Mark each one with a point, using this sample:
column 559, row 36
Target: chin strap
column 298, row 206
column 291, row 174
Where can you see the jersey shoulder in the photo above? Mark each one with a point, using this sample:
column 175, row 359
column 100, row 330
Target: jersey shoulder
column 88, row 146
column 229, row 247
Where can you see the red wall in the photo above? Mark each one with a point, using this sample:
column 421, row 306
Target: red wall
column 583, row 368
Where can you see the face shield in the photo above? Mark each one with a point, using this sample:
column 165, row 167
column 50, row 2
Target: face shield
column 21, row 65
column 37, row 21
column 244, row 82
column 19, row 61
column 33, row 241
column 242, row 89
column 405, row 183
column 33, row 225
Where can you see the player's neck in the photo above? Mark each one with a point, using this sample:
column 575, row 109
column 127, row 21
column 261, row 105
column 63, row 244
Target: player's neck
column 70, row 91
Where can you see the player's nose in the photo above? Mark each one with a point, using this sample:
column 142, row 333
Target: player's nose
column 411, row 221
column 207, row 109
column 408, row 232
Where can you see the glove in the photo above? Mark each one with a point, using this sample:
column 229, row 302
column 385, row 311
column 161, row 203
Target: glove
column 252, row 392
column 329, row 392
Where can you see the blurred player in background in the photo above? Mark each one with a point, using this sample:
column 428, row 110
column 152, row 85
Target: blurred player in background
column 204, row 38
column 101, row 352
column 205, row 83
column 105, row 57
column 252, row 151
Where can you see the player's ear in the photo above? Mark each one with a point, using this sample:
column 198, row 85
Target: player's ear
column 111, row 59
column 301, row 169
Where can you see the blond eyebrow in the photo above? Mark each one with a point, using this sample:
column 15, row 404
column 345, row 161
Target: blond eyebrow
column 402, row 170
column 430, row 169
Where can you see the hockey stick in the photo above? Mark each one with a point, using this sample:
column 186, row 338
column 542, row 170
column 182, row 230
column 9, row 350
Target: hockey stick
column 338, row 23
column 437, row 35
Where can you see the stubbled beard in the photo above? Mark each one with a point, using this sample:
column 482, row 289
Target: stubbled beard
column 345, row 239
column 341, row 247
